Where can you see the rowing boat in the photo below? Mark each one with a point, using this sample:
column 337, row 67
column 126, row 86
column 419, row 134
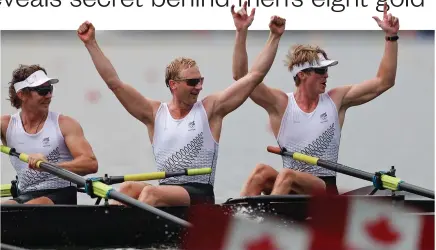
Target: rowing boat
column 140, row 225
column 111, row 226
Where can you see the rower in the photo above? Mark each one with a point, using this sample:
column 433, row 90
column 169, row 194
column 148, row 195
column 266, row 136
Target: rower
column 309, row 120
column 47, row 135
column 184, row 132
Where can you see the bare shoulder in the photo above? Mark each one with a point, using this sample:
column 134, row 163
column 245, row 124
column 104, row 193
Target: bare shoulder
column 337, row 94
column 155, row 106
column 4, row 125
column 69, row 125
column 5, row 120
column 209, row 103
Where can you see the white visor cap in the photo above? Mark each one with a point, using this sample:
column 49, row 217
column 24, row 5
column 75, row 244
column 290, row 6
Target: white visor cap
column 34, row 80
column 321, row 63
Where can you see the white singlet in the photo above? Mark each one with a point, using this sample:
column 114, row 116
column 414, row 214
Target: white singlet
column 316, row 134
column 49, row 141
column 184, row 143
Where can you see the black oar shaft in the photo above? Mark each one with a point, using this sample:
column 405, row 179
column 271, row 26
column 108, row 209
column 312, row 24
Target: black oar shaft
column 416, row 190
column 99, row 188
column 390, row 182
column 57, row 171
column 128, row 200
column 343, row 169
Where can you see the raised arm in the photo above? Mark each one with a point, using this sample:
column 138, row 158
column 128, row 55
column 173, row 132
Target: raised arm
column 232, row 97
column 268, row 98
column 137, row 105
column 366, row 91
column 84, row 161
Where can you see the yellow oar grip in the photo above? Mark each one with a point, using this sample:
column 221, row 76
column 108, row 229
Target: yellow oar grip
column 145, row 176
column 6, row 190
column 305, row 158
column 390, row 182
column 5, row 149
column 199, row 171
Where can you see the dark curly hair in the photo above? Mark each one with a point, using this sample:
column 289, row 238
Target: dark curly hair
column 18, row 75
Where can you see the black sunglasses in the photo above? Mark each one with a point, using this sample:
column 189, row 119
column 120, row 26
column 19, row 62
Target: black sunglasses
column 193, row 81
column 320, row 71
column 42, row 90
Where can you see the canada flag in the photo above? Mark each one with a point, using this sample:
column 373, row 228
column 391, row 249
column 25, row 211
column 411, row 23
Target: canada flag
column 339, row 223
column 215, row 229
column 357, row 223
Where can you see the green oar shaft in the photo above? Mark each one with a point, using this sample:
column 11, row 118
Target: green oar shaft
column 156, row 175
column 99, row 189
column 389, row 182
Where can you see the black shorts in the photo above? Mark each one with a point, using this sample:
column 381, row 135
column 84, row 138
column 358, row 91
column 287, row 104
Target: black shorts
column 330, row 183
column 64, row 196
column 199, row 193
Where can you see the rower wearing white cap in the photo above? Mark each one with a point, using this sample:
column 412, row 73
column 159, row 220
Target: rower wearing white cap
column 44, row 135
column 309, row 120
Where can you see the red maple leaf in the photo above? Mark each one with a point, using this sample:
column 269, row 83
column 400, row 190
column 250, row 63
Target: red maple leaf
column 266, row 242
column 382, row 231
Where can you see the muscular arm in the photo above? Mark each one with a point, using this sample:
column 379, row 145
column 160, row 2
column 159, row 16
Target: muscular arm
column 84, row 161
column 353, row 95
column 232, row 97
column 272, row 100
column 137, row 105
column 4, row 126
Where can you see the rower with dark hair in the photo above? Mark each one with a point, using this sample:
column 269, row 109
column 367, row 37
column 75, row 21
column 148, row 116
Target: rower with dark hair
column 47, row 136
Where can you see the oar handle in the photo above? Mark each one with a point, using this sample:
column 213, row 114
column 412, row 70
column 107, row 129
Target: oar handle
column 380, row 180
column 274, row 150
column 155, row 175
column 6, row 190
column 97, row 188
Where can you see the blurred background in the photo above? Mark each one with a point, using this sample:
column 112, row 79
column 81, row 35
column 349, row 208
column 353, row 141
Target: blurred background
column 396, row 129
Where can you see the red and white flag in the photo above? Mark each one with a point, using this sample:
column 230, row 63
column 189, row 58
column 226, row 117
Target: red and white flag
column 357, row 223
column 214, row 229
column 337, row 223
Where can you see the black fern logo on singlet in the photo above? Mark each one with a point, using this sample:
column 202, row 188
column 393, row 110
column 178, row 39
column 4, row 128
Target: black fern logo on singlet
column 31, row 177
column 54, row 156
column 185, row 157
column 317, row 147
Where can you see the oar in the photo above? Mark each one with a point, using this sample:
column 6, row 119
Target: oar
column 6, row 190
column 95, row 187
column 153, row 176
column 380, row 179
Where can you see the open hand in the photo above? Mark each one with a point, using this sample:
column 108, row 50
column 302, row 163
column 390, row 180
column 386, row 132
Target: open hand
column 241, row 19
column 390, row 24
column 86, row 32
column 34, row 158
column 277, row 25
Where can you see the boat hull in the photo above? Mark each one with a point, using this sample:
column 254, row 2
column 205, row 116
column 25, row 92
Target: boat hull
column 90, row 226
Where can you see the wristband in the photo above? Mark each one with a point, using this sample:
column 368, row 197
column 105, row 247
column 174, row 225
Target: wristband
column 392, row 38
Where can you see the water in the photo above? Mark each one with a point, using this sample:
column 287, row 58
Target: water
column 395, row 129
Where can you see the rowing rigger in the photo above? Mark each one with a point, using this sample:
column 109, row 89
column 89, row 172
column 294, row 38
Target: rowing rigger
column 7, row 189
column 380, row 180
column 94, row 188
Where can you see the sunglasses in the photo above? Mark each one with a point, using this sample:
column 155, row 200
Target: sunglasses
column 193, row 81
column 42, row 90
column 320, row 71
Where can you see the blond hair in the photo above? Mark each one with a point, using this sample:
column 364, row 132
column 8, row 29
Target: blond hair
column 176, row 66
column 300, row 54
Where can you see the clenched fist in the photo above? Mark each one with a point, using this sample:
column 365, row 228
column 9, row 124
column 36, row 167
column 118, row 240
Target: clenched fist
column 35, row 158
column 277, row 25
column 86, row 32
